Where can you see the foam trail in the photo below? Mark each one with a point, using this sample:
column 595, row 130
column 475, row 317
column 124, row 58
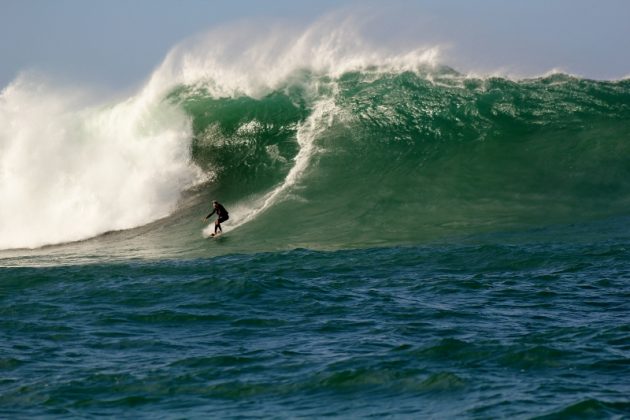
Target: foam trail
column 320, row 119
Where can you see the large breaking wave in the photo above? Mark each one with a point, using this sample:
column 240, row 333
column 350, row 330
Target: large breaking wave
column 407, row 156
column 314, row 138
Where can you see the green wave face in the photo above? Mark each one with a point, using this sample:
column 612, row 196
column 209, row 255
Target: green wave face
column 408, row 157
column 246, row 144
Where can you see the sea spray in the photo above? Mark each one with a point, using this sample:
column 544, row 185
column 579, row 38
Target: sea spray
column 68, row 172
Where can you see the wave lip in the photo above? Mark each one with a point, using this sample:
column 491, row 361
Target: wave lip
column 249, row 60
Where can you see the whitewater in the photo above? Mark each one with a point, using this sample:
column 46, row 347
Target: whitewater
column 405, row 240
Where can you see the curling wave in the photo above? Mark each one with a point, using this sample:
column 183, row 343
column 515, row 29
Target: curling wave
column 315, row 139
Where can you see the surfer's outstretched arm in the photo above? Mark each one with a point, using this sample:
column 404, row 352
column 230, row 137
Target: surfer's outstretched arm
column 213, row 211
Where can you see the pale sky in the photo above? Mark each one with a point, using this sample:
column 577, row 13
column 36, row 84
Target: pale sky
column 117, row 43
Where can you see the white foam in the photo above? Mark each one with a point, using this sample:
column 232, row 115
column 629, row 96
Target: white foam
column 249, row 60
column 69, row 172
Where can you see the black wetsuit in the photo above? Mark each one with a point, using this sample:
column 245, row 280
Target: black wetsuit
column 221, row 212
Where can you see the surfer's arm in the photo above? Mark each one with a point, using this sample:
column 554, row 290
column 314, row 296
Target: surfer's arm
column 213, row 211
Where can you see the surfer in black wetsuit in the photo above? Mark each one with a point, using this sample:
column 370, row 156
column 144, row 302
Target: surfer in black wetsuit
column 221, row 212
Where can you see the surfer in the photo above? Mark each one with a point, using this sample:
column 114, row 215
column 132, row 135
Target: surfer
column 222, row 213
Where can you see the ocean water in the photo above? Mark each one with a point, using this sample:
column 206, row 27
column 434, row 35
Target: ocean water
column 405, row 241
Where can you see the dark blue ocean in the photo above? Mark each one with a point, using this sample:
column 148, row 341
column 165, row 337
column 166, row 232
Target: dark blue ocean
column 478, row 330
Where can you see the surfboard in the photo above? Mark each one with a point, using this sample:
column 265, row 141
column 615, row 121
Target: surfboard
column 215, row 235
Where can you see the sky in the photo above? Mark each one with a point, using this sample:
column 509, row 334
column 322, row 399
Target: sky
column 117, row 43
